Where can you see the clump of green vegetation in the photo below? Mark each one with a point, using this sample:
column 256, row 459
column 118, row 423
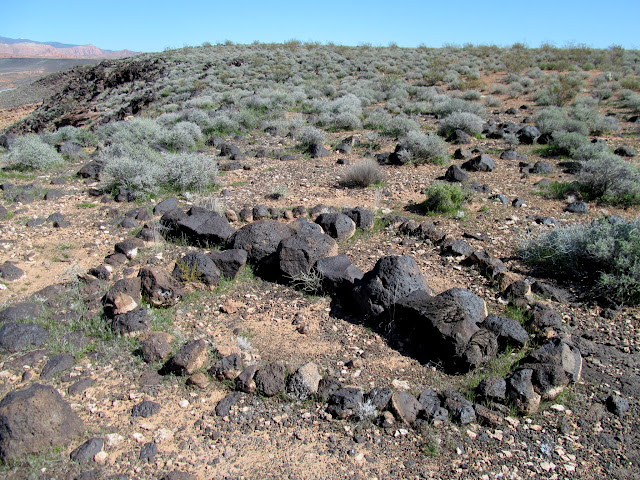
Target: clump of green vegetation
column 465, row 121
column 142, row 171
column 444, row 198
column 605, row 254
column 31, row 153
column 362, row 174
column 560, row 91
column 425, row 148
column 606, row 179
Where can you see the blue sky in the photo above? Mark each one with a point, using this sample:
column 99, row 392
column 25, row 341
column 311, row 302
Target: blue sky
column 154, row 26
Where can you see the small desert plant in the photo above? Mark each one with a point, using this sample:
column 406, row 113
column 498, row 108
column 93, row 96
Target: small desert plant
column 575, row 145
column 560, row 91
column 609, row 179
column 605, row 254
column 425, row 147
column 82, row 136
column 182, row 136
column 137, row 174
column 444, row 198
column 554, row 119
column 311, row 136
column 390, row 125
column 31, row 153
column 362, row 174
column 491, row 101
column 309, row 282
column 189, row 171
column 468, row 122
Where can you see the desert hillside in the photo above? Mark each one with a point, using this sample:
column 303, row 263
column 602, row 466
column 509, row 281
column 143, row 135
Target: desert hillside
column 314, row 261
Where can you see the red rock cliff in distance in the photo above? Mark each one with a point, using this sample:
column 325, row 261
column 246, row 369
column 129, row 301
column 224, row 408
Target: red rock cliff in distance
column 40, row 50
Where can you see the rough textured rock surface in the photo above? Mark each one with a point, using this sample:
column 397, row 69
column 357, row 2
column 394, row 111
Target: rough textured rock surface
column 443, row 330
column 260, row 239
column 339, row 275
column 391, row 279
column 229, row 262
column 160, row 288
column 34, row 420
column 298, row 253
column 337, row 225
column 197, row 267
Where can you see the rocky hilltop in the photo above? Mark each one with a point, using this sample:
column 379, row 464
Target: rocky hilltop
column 310, row 261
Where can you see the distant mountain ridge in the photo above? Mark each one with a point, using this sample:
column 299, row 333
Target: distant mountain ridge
column 23, row 48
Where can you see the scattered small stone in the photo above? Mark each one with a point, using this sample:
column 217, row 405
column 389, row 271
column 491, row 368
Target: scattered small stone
column 80, row 386
column 145, row 409
column 148, row 452
column 87, row 451
column 56, row 364
column 617, row 405
column 199, row 380
column 10, row 273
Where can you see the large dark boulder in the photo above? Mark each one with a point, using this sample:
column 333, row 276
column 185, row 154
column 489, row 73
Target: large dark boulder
column 170, row 221
column 297, row 254
column 474, row 306
column 405, row 407
column 34, row 420
column 166, row 206
column 363, row 218
column 21, row 311
column 455, row 174
column 159, row 287
column 345, row 402
column 197, row 267
column 204, row 228
column 317, row 150
column 125, row 293
column 18, row 336
column 270, row 379
column 509, row 331
column 444, row 330
column 260, row 240
column 391, row 279
column 134, row 321
column 338, row 275
column 481, row 163
column 92, row 169
column 229, row 262
column 232, row 151
column 528, row 135
column 558, row 352
column 304, row 226
column 337, row 225
column 489, row 266
column 520, row 392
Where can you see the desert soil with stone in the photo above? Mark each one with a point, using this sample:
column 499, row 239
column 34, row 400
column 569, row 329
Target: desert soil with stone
column 232, row 378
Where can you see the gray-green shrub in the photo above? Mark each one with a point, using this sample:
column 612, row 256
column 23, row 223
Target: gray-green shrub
column 605, row 254
column 311, row 136
column 425, row 147
column 189, row 171
column 466, row 121
column 444, row 198
column 31, row 153
column 84, row 137
column 577, row 146
column 610, row 179
column 362, row 174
